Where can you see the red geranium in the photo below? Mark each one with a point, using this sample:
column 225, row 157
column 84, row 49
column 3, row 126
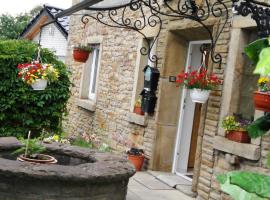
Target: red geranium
column 198, row 79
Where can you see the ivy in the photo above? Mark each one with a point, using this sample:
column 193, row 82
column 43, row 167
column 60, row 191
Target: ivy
column 21, row 108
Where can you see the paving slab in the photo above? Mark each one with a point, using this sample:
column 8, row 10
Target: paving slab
column 139, row 191
column 151, row 182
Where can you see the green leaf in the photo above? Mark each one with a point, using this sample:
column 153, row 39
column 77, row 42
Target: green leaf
column 246, row 185
column 263, row 65
column 259, row 127
column 253, row 49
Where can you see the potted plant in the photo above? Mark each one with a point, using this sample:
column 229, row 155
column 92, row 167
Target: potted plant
column 262, row 96
column 138, row 107
column 136, row 156
column 236, row 129
column 199, row 82
column 31, row 152
column 37, row 75
column 81, row 53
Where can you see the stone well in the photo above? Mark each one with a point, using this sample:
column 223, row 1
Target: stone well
column 81, row 174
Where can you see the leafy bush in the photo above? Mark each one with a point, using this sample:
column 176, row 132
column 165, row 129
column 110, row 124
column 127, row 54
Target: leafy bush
column 21, row 108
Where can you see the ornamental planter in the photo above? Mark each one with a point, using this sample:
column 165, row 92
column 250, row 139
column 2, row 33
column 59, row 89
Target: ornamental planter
column 262, row 101
column 199, row 96
column 40, row 84
column 138, row 110
column 238, row 136
column 137, row 161
column 40, row 158
column 80, row 55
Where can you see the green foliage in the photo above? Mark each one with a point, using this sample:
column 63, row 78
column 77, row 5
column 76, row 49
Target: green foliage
column 268, row 160
column 245, row 185
column 259, row 53
column 104, row 148
column 253, row 49
column 263, row 65
column 259, row 127
column 21, row 108
column 12, row 26
column 80, row 142
column 33, row 147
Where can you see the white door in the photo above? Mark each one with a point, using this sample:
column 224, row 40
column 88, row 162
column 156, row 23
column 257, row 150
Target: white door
column 185, row 124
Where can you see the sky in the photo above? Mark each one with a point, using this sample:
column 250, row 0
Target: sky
column 15, row 7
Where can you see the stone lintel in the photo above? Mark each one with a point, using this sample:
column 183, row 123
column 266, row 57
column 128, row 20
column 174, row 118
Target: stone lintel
column 248, row 151
column 138, row 119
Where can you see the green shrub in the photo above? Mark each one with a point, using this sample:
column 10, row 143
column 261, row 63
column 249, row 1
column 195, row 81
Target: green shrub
column 21, row 108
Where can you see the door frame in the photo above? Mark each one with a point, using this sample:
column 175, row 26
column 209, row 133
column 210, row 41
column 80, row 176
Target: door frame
column 180, row 137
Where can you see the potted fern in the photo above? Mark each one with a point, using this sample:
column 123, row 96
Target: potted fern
column 81, row 53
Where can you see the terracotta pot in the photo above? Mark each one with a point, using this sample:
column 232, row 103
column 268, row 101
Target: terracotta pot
column 46, row 159
column 262, row 101
column 137, row 161
column 80, row 55
column 138, row 110
column 238, row 136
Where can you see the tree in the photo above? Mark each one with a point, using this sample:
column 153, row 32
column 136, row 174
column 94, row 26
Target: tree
column 11, row 27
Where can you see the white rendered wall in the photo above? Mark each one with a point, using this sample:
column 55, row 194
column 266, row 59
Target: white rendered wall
column 54, row 40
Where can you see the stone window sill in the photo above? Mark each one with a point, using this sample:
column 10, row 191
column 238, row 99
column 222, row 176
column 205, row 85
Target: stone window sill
column 248, row 151
column 138, row 119
column 86, row 104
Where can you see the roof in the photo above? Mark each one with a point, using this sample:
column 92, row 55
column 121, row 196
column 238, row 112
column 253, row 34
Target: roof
column 61, row 23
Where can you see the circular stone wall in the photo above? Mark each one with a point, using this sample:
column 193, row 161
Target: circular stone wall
column 81, row 174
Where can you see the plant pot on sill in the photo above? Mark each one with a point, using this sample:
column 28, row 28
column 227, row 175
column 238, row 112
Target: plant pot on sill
column 80, row 55
column 137, row 161
column 39, row 84
column 40, row 158
column 138, row 110
column 238, row 136
column 199, row 96
column 262, row 101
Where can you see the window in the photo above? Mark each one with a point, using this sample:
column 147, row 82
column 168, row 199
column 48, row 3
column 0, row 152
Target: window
column 93, row 72
column 90, row 74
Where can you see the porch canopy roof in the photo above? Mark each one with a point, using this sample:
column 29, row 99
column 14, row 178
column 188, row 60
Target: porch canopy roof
column 93, row 5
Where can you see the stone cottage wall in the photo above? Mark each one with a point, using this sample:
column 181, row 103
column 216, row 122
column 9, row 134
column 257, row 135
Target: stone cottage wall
column 110, row 120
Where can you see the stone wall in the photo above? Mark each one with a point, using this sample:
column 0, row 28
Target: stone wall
column 110, row 119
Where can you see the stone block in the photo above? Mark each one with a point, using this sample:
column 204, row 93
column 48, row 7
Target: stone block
column 9, row 143
column 248, row 151
column 138, row 119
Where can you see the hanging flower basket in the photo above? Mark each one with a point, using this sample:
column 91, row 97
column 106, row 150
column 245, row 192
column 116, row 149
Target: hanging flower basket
column 81, row 53
column 199, row 96
column 39, row 84
column 37, row 75
column 262, row 101
column 199, row 82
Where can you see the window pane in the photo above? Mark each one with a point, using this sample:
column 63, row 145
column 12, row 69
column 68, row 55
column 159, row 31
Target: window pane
column 93, row 71
column 93, row 89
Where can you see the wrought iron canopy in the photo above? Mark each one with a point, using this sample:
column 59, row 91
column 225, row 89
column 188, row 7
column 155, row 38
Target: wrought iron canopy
column 150, row 13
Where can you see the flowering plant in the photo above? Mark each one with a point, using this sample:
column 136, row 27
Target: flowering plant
column 234, row 123
column 198, row 79
column 264, row 84
column 31, row 72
